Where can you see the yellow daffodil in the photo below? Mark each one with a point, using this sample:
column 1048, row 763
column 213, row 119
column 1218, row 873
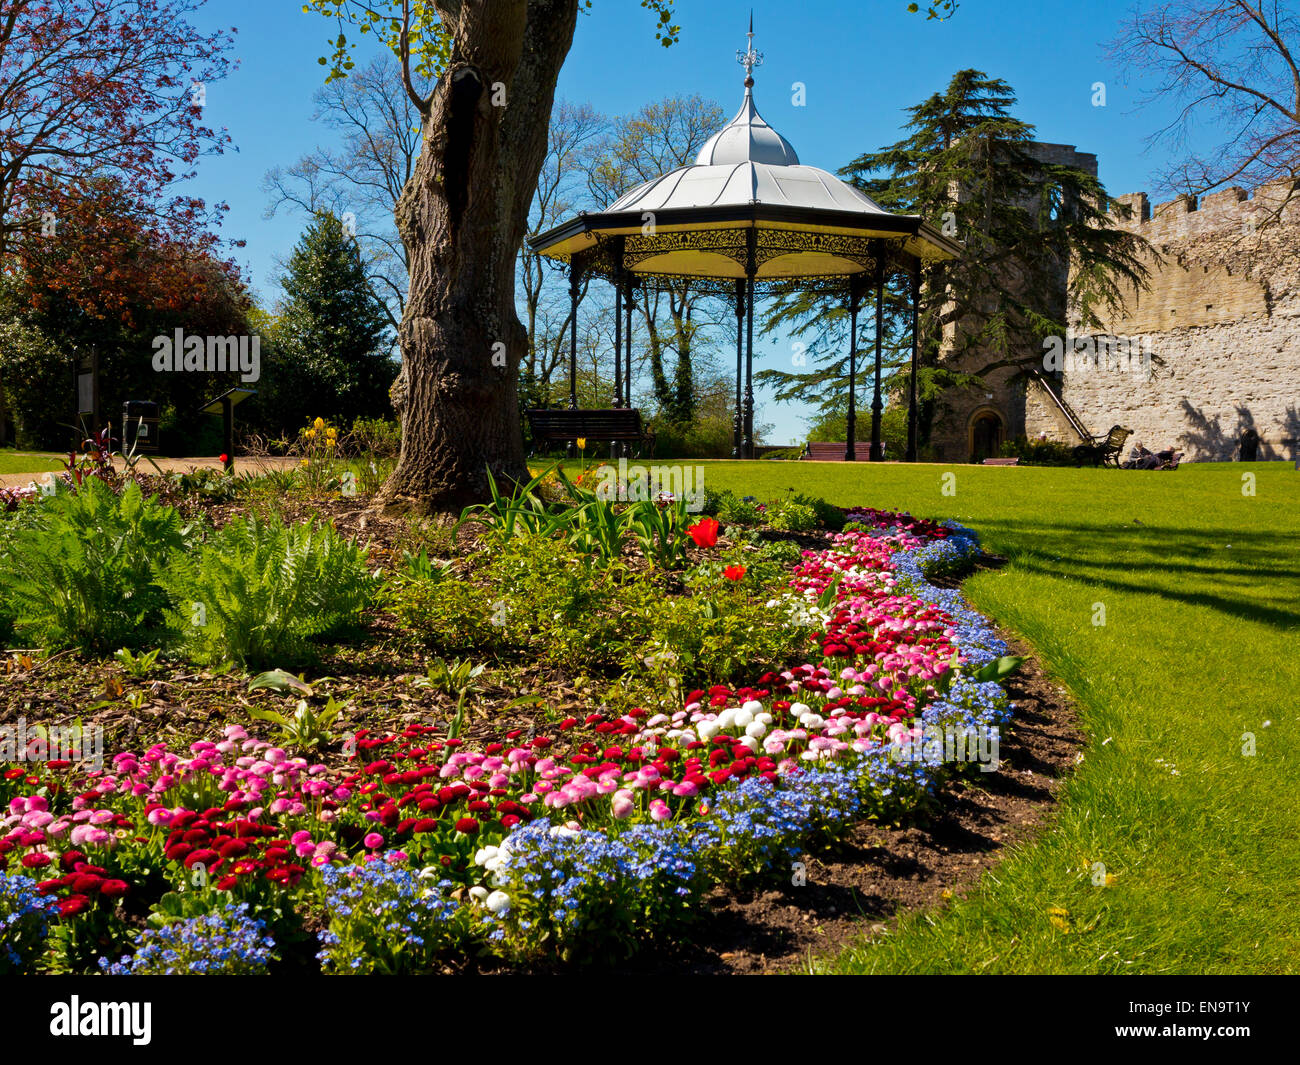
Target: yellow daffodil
column 319, row 423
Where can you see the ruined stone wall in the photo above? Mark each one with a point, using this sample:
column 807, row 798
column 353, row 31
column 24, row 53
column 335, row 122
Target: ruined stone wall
column 1220, row 322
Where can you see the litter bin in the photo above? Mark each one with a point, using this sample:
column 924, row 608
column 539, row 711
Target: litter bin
column 140, row 426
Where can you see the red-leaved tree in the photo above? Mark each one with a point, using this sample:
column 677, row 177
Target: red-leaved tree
column 102, row 88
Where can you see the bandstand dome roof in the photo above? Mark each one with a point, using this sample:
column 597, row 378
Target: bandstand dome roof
column 693, row 221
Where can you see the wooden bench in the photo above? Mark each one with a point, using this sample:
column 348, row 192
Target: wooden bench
column 1103, row 452
column 1001, row 462
column 618, row 424
column 821, row 451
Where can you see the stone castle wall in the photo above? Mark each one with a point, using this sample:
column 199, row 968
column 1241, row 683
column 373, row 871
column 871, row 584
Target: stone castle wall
column 1220, row 322
column 1215, row 339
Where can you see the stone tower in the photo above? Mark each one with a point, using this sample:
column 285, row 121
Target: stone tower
column 975, row 422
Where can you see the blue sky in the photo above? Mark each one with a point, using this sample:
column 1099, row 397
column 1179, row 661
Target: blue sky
column 861, row 62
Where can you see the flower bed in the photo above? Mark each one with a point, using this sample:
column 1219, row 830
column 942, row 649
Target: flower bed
column 587, row 843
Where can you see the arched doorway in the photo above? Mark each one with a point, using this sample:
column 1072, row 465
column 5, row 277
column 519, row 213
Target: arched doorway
column 986, row 434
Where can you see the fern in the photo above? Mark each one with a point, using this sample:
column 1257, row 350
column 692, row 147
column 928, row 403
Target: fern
column 84, row 574
column 257, row 590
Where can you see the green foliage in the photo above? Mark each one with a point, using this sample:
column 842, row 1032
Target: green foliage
column 305, row 730
column 453, row 615
column 544, row 599
column 787, row 515
column 829, row 516
column 521, row 510
column 595, row 524
column 685, row 641
column 86, row 572
column 458, row 678
column 375, row 437
column 731, row 509
column 140, row 665
column 998, row 670
column 258, row 589
column 549, row 600
column 1038, row 452
column 418, row 566
column 661, row 531
column 209, row 483
column 282, row 681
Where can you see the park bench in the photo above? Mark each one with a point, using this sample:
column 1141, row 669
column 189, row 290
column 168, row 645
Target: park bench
column 1105, row 451
column 821, row 451
column 617, row 425
column 1001, row 462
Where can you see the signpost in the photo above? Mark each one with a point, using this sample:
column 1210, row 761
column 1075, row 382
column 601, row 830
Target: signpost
column 224, row 405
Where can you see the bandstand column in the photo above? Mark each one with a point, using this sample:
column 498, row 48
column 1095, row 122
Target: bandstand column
column 575, row 293
column 877, row 404
column 618, row 350
column 629, row 305
column 738, row 423
column 911, row 385
column 751, row 269
column 851, row 446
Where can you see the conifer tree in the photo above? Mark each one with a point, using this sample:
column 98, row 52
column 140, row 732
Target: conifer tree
column 332, row 347
column 968, row 167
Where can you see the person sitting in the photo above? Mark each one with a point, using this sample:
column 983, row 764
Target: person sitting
column 1142, row 459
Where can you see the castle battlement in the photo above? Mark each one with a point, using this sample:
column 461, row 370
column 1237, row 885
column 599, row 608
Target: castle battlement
column 1229, row 210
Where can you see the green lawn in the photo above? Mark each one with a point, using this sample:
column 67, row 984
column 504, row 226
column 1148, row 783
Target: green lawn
column 1201, row 589
column 28, row 461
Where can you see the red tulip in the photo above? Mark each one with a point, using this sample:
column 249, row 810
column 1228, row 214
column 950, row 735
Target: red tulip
column 704, row 532
column 734, row 573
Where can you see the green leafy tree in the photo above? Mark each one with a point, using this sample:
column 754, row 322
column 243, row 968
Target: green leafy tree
column 1038, row 243
column 331, row 348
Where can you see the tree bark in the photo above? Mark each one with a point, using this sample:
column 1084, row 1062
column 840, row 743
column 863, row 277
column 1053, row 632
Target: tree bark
column 462, row 218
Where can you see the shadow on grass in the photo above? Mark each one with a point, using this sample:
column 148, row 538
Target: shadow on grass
column 1102, row 554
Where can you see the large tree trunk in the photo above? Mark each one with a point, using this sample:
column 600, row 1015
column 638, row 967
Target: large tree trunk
column 462, row 218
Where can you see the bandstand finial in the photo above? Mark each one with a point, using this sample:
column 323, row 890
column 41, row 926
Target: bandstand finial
column 749, row 59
